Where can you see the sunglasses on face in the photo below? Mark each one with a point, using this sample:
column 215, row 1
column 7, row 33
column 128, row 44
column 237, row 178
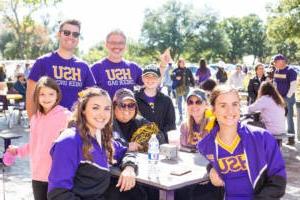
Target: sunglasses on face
column 130, row 106
column 190, row 102
column 67, row 33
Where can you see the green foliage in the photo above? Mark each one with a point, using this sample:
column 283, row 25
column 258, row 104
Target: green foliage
column 234, row 30
column 283, row 29
column 30, row 39
column 254, row 36
column 96, row 53
column 209, row 40
column 169, row 26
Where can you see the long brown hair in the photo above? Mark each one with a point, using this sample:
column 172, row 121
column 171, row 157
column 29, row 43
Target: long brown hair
column 78, row 119
column 45, row 81
column 267, row 88
column 202, row 66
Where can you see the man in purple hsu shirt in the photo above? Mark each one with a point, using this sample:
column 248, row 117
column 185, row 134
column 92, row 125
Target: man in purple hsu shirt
column 285, row 79
column 70, row 73
column 114, row 72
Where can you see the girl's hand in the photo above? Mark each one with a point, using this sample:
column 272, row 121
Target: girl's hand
column 215, row 178
column 133, row 146
column 178, row 77
column 127, row 179
column 12, row 150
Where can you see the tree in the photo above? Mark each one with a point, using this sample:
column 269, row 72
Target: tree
column 171, row 25
column 234, row 30
column 254, row 36
column 5, row 38
column 17, row 16
column 209, row 40
column 283, row 28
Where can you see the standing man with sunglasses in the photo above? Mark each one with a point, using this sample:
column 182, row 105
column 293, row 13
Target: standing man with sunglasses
column 113, row 72
column 70, row 73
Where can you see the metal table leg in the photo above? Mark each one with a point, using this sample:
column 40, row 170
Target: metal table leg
column 166, row 194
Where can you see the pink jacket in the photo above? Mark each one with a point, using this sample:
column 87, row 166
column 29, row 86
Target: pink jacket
column 44, row 129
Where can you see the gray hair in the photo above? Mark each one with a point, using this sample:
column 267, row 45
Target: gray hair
column 116, row 32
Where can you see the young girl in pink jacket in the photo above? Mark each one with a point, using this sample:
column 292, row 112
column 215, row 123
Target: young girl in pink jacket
column 45, row 126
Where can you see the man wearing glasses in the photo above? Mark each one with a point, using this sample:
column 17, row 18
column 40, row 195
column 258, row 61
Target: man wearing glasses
column 113, row 72
column 70, row 73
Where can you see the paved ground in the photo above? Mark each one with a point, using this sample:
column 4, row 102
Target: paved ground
column 18, row 183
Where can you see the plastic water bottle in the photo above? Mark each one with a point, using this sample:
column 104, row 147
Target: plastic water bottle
column 153, row 157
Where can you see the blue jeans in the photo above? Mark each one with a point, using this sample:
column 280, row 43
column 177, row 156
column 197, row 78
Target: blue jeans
column 179, row 103
column 290, row 102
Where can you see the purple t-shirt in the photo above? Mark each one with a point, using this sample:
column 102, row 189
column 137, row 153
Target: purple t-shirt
column 112, row 76
column 202, row 76
column 283, row 79
column 72, row 75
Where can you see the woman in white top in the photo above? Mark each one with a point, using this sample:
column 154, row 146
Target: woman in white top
column 237, row 77
column 272, row 107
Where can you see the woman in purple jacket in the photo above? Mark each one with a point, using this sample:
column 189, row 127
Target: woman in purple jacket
column 203, row 72
column 81, row 155
column 246, row 161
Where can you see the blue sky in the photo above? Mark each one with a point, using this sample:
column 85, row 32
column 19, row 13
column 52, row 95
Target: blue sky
column 98, row 17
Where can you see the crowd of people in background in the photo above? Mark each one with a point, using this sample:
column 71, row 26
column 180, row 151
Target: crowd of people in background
column 115, row 106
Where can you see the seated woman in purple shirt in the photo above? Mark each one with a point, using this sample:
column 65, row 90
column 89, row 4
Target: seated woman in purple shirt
column 246, row 160
column 197, row 124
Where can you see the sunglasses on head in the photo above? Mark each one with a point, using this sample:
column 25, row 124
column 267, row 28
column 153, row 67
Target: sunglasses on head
column 190, row 102
column 67, row 33
column 130, row 106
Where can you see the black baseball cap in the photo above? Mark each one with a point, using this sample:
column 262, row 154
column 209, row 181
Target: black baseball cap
column 151, row 69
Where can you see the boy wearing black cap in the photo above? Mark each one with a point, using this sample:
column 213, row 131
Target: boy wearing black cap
column 154, row 105
column 285, row 79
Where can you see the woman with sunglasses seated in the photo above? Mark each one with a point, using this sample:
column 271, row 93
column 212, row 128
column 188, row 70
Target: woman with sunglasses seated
column 199, row 120
column 129, row 128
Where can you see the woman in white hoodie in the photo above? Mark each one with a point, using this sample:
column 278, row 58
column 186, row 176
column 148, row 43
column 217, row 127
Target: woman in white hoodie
column 272, row 108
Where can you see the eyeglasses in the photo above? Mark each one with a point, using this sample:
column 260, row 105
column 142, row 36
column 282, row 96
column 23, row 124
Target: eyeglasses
column 67, row 33
column 114, row 43
column 190, row 102
column 130, row 106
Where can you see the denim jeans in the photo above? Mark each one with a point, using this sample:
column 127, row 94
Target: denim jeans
column 171, row 91
column 290, row 102
column 179, row 102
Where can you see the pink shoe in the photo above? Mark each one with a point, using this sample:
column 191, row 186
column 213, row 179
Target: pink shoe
column 8, row 159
